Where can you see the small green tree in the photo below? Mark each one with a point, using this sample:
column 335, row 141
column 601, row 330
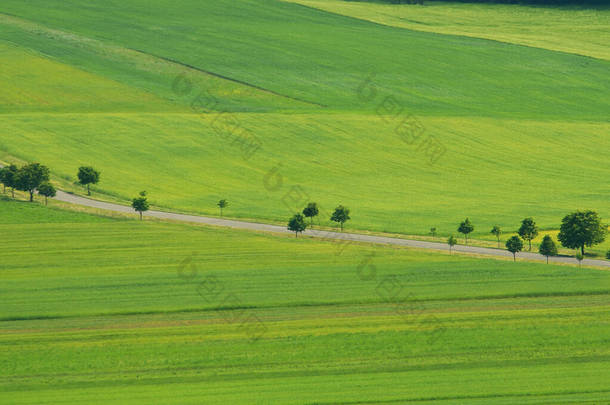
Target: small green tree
column 9, row 174
column 311, row 211
column 47, row 190
column 222, row 204
column 514, row 244
column 433, row 231
column 497, row 231
column 451, row 241
column 297, row 224
column 340, row 215
column 580, row 229
column 547, row 247
column 579, row 256
column 528, row 230
column 87, row 175
column 608, row 255
column 2, row 171
column 140, row 204
column 30, row 176
column 465, row 228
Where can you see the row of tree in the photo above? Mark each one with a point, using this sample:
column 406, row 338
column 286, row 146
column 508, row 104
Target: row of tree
column 34, row 177
column 29, row 178
column 578, row 229
column 297, row 223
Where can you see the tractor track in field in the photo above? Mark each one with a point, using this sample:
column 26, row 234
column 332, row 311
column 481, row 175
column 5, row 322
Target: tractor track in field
column 227, row 78
column 322, row 234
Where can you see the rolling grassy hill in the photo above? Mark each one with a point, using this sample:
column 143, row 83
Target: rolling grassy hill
column 582, row 30
column 114, row 311
column 524, row 128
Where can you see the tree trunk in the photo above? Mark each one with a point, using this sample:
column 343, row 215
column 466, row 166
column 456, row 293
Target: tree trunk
column 31, row 195
column 88, row 190
column 582, row 250
column 140, row 215
column 547, row 260
column 13, row 191
column 341, row 226
column 296, row 234
column 45, row 200
column 221, row 212
column 498, row 242
column 530, row 241
column 514, row 257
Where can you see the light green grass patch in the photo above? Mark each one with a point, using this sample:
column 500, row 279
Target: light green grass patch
column 579, row 30
column 494, row 171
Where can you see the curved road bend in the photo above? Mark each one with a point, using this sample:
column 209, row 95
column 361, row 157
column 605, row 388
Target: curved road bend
column 73, row 199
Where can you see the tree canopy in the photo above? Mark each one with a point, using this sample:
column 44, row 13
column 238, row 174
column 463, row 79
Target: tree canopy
column 7, row 177
column 222, row 204
column 528, row 230
column 87, row 175
column 514, row 244
column 465, row 228
column 496, row 231
column 297, row 224
column 340, row 215
column 547, row 247
column 140, row 203
column 311, row 211
column 30, row 176
column 580, row 229
column 451, row 241
column 47, row 190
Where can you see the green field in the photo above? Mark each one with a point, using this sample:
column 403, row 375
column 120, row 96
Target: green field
column 101, row 310
column 272, row 104
column 525, row 129
column 580, row 30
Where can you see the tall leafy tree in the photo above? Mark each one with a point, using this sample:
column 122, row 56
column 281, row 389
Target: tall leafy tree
column 2, row 171
column 297, row 224
column 30, row 176
column 580, row 229
column 465, row 228
column 451, row 241
column 497, row 231
column 528, row 230
column 311, row 211
column 87, row 175
column 514, row 244
column 47, row 190
column 222, row 204
column 340, row 215
column 547, row 247
column 7, row 177
column 140, row 204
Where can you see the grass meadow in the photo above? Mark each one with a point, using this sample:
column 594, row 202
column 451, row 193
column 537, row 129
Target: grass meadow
column 579, row 30
column 109, row 310
column 523, row 128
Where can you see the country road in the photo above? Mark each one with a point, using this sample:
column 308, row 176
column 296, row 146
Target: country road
column 328, row 235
